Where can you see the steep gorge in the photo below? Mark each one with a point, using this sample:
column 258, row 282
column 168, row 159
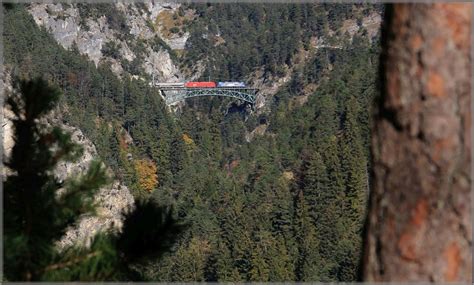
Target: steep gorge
column 244, row 182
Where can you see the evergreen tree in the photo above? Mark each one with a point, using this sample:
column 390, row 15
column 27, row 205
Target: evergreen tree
column 315, row 184
column 260, row 269
column 224, row 264
column 282, row 211
column 282, row 267
column 39, row 209
column 310, row 265
column 354, row 164
column 354, row 168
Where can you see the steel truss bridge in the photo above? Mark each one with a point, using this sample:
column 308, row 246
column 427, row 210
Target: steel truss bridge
column 176, row 94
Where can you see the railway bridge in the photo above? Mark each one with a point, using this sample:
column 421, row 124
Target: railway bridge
column 173, row 94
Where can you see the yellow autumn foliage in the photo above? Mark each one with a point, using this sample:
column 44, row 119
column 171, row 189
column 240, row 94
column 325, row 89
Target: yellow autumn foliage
column 147, row 174
column 188, row 140
column 288, row 175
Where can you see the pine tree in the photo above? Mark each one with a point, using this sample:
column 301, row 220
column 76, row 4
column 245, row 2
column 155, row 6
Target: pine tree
column 114, row 145
column 354, row 164
column 309, row 264
column 354, row 168
column 190, row 261
column 260, row 269
column 224, row 264
column 315, row 183
column 282, row 211
column 282, row 267
column 38, row 209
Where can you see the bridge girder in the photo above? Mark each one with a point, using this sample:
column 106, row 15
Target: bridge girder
column 173, row 95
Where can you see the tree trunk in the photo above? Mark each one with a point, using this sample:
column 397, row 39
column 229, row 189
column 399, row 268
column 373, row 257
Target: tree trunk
column 419, row 224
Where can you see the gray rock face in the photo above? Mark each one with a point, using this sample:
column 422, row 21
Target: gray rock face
column 372, row 24
column 65, row 26
column 138, row 20
column 8, row 143
column 113, row 200
column 7, row 130
column 268, row 87
column 177, row 42
column 158, row 64
column 62, row 23
column 161, row 66
column 258, row 131
column 67, row 169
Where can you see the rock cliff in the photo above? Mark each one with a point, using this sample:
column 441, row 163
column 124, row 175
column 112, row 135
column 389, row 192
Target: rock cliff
column 132, row 31
column 113, row 200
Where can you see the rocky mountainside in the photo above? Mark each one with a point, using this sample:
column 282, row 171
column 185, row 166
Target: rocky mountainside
column 145, row 40
column 124, row 35
column 113, row 201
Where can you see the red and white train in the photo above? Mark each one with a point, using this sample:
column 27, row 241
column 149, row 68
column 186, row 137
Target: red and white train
column 204, row 84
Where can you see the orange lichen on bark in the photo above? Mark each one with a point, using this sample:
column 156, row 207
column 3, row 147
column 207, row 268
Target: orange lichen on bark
column 440, row 146
column 458, row 19
column 407, row 242
column 436, row 85
column 438, row 46
column 453, row 260
column 416, row 42
column 401, row 15
column 420, row 213
column 393, row 87
column 406, row 246
column 418, row 228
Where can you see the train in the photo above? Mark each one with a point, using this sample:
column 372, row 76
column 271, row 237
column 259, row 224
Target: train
column 170, row 85
column 211, row 84
column 202, row 84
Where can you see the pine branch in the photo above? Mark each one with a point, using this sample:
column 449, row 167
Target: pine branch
column 70, row 262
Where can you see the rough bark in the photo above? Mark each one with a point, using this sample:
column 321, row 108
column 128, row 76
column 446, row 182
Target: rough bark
column 419, row 224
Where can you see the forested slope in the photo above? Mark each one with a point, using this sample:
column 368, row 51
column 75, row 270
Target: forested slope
column 287, row 204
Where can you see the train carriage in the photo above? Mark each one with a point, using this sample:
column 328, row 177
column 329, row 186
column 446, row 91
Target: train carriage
column 170, row 85
column 200, row 84
column 231, row 84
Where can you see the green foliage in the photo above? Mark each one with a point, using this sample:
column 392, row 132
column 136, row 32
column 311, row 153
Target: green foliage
column 174, row 30
column 97, row 262
column 111, row 49
column 148, row 232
